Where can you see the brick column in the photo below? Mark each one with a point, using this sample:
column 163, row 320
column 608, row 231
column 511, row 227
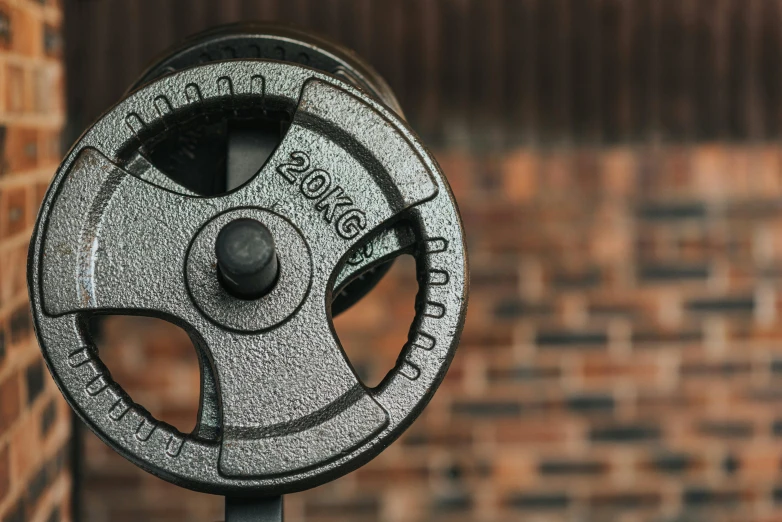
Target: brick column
column 34, row 420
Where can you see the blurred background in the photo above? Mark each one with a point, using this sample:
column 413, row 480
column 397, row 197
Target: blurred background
column 619, row 172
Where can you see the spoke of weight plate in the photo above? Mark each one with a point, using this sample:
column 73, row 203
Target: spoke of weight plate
column 128, row 256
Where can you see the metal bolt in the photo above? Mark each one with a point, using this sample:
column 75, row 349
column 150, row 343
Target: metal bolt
column 246, row 259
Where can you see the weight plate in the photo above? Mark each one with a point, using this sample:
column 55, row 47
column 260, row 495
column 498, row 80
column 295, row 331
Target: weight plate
column 288, row 411
column 192, row 160
column 272, row 42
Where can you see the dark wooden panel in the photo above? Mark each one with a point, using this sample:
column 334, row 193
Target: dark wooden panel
column 612, row 51
column 520, row 107
column 383, row 28
column 769, row 66
column 454, row 66
column 546, row 71
column 585, row 68
column 351, row 30
column 479, row 58
column 415, row 55
column 641, row 69
column 737, row 68
column 672, row 80
column 154, row 30
column 706, row 76
column 259, row 10
column 553, row 89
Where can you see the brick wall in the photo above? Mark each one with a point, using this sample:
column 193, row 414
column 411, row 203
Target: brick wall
column 34, row 421
column 622, row 358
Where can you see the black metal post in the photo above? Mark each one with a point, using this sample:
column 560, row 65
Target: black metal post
column 253, row 510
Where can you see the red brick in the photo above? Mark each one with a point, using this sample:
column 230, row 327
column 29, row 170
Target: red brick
column 520, row 175
column 5, row 26
column 533, row 433
column 21, row 151
column 27, row 31
column 47, row 90
column 13, row 272
column 619, row 172
column 603, row 369
column 13, row 211
column 25, row 448
column 40, row 193
column 53, row 44
column 49, row 147
column 5, row 472
column 10, row 402
column 16, row 89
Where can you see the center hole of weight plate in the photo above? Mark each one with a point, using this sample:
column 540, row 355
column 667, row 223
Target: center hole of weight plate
column 247, row 264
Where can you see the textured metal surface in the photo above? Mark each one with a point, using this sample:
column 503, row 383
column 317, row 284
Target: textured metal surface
column 287, row 410
column 249, row 315
column 272, row 42
column 196, row 156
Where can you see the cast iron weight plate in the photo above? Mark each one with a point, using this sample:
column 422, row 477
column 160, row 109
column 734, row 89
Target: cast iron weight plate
column 192, row 160
column 213, row 153
column 259, row 41
column 290, row 412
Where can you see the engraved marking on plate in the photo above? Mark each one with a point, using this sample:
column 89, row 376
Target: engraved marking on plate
column 119, row 409
column 97, row 385
column 258, row 85
column 435, row 245
column 145, row 429
column 78, row 358
column 361, row 255
column 163, row 106
column 193, row 93
column 435, row 310
column 331, row 200
column 224, row 86
column 423, row 341
column 174, row 446
column 134, row 123
column 438, row 277
column 410, row 370
column 93, row 369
